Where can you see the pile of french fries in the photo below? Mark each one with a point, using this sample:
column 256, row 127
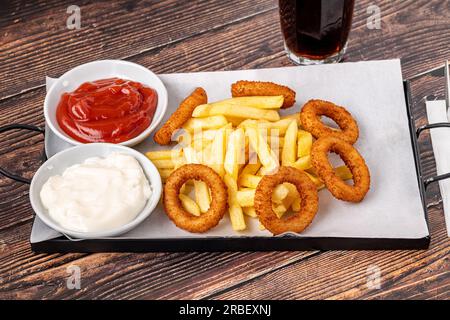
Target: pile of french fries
column 242, row 139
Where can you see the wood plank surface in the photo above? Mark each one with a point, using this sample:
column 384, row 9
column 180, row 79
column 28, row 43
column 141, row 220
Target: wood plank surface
column 36, row 44
column 404, row 274
column 183, row 36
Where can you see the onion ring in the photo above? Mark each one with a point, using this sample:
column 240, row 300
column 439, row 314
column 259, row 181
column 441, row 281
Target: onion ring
column 184, row 112
column 174, row 208
column 310, row 120
column 244, row 88
column 352, row 159
column 308, row 197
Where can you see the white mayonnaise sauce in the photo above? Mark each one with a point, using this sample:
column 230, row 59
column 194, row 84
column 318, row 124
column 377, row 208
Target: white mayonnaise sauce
column 98, row 195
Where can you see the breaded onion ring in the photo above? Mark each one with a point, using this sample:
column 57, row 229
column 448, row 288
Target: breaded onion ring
column 308, row 197
column 184, row 112
column 310, row 120
column 352, row 159
column 174, row 208
column 244, row 88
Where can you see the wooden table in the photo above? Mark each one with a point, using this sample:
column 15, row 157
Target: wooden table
column 185, row 36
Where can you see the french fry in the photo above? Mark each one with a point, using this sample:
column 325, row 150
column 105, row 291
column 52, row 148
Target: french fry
column 249, row 180
column 234, row 208
column 315, row 179
column 200, row 144
column 263, row 171
column 276, row 141
column 279, row 126
column 251, row 168
column 296, row 204
column 190, row 155
column 237, row 217
column 274, row 144
column 289, row 153
column 294, row 116
column 249, row 122
column 234, row 121
column 342, row 172
column 183, row 138
column 304, row 143
column 266, row 155
column 292, row 195
column 187, row 187
column 246, row 189
column 165, row 163
column 164, row 154
column 205, row 154
column 178, row 162
column 279, row 193
column 189, row 205
column 165, row 173
column 250, row 211
column 245, row 198
column 303, row 163
column 218, row 149
column 207, row 134
column 272, row 128
column 260, row 102
column 197, row 124
column 202, row 196
column 283, row 198
column 235, row 111
column 234, row 156
column 279, row 209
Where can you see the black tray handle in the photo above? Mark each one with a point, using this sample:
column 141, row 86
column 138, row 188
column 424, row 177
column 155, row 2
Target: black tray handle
column 419, row 130
column 14, row 126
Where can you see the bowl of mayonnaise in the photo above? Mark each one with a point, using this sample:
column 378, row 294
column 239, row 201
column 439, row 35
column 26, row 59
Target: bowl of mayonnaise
column 95, row 190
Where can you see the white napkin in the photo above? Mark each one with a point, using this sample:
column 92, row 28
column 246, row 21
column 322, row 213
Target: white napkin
column 436, row 112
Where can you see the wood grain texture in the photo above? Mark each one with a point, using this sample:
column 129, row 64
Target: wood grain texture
column 404, row 274
column 39, row 43
column 202, row 36
column 152, row 276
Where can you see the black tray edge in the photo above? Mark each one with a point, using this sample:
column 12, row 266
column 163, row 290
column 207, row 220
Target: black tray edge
column 229, row 244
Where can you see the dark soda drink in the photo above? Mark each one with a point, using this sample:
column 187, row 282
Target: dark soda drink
column 315, row 31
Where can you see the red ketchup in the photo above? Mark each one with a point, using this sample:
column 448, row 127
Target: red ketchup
column 108, row 110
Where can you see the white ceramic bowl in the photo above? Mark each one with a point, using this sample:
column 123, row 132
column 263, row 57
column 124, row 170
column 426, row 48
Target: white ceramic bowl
column 64, row 159
column 103, row 69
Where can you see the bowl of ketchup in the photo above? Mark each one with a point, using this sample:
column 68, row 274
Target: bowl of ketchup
column 111, row 101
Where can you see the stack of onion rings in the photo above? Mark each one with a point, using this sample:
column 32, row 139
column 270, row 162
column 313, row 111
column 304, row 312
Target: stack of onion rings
column 352, row 159
column 309, row 201
column 310, row 120
column 176, row 212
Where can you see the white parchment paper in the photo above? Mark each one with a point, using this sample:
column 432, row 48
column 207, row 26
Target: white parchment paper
column 373, row 93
